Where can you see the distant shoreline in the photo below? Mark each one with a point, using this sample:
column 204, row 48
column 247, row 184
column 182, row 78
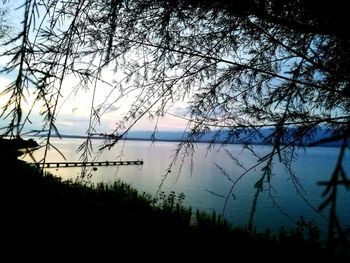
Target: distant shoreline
column 139, row 139
column 172, row 140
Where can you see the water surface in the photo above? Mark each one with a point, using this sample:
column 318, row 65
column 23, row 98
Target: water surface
column 205, row 186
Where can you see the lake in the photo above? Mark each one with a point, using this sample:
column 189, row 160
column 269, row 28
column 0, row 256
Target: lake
column 205, row 186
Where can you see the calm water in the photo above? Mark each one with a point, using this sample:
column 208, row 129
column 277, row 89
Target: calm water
column 199, row 184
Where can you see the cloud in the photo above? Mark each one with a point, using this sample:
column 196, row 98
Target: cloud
column 180, row 111
column 111, row 108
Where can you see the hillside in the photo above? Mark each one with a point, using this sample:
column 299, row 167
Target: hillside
column 317, row 135
column 46, row 218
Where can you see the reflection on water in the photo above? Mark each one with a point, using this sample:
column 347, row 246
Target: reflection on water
column 279, row 205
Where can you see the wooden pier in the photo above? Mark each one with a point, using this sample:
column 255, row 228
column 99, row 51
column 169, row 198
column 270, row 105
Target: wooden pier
column 85, row 164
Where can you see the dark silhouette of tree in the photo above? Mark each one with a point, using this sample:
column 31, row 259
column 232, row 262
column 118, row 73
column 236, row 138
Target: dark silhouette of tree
column 242, row 64
column 4, row 26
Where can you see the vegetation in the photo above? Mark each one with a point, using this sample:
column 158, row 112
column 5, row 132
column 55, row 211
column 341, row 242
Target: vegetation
column 45, row 217
column 241, row 64
column 4, row 26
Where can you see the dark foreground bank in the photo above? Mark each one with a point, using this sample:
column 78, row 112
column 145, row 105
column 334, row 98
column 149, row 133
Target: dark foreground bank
column 47, row 218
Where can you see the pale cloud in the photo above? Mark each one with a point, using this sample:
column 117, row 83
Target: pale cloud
column 180, row 110
column 69, row 124
column 166, row 123
column 112, row 108
column 4, row 82
column 74, row 108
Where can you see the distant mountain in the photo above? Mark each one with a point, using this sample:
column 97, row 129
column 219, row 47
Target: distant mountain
column 212, row 136
column 224, row 136
column 160, row 136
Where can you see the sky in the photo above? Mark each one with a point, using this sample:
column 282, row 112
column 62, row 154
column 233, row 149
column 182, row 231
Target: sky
column 74, row 109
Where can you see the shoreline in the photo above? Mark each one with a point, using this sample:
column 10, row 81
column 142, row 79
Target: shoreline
column 70, row 136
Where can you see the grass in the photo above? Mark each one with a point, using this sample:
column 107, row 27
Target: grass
column 48, row 218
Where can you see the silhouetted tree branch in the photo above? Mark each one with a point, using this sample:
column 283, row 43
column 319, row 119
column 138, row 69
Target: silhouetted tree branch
column 241, row 64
